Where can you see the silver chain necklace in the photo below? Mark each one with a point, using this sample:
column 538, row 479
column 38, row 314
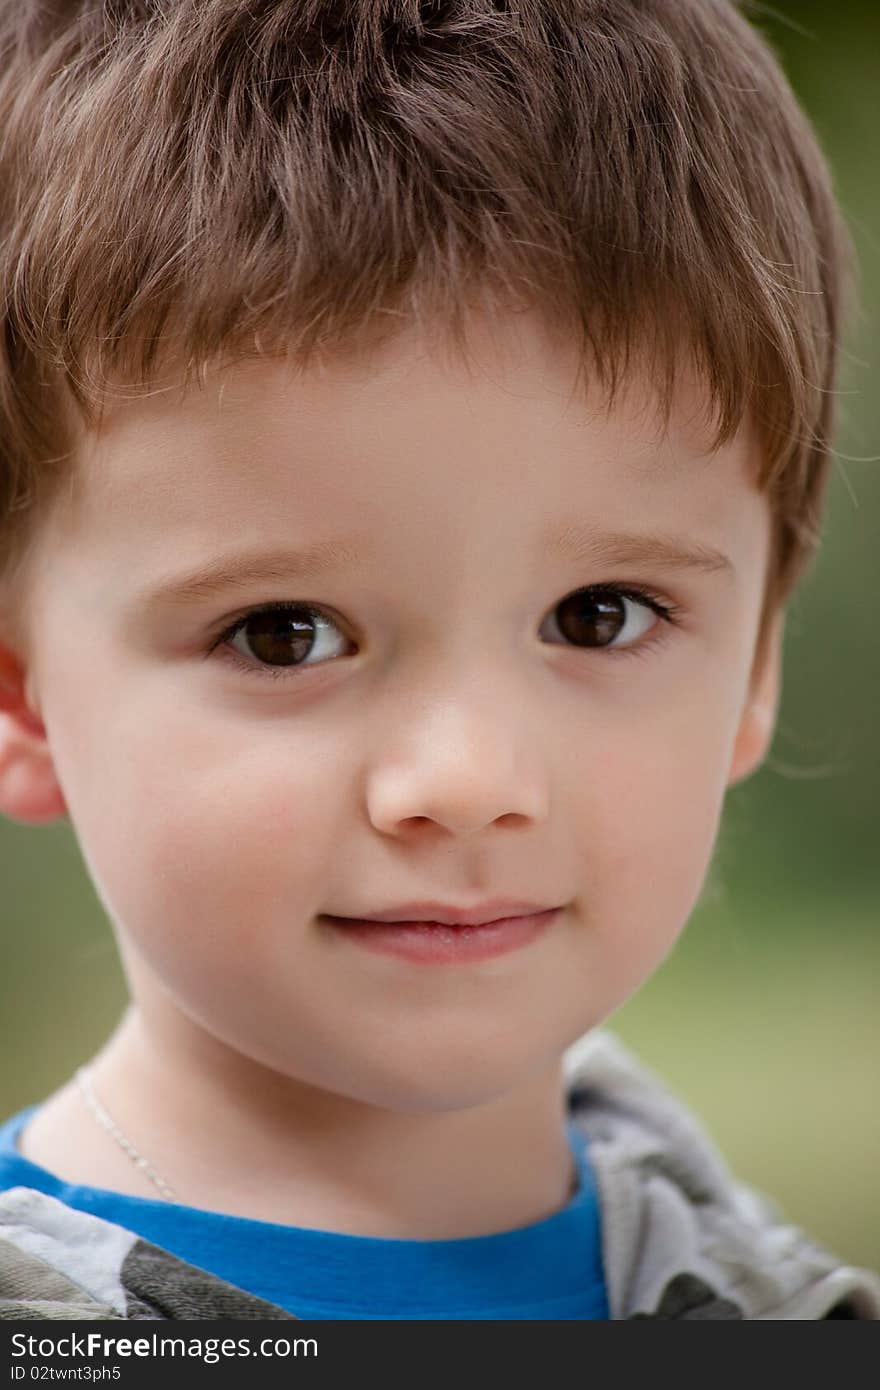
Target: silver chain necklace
column 82, row 1078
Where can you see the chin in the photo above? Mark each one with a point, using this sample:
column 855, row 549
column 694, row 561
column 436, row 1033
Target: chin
column 433, row 1091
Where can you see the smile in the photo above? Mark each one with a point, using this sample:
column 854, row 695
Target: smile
column 438, row 943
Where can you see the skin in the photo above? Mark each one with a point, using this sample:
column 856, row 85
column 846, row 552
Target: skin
column 436, row 747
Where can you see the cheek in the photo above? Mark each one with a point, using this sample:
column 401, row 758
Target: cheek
column 647, row 821
column 213, row 838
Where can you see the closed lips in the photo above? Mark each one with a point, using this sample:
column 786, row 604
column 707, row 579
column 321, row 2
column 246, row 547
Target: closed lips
column 440, row 914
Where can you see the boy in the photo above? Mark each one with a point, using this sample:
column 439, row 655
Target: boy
column 416, row 419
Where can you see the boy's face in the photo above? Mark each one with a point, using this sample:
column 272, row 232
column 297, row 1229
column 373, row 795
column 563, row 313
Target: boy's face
column 453, row 732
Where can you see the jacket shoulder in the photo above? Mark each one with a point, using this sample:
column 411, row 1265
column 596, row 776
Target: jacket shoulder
column 681, row 1236
column 57, row 1262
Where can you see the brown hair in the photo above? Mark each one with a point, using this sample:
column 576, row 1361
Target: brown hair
column 219, row 175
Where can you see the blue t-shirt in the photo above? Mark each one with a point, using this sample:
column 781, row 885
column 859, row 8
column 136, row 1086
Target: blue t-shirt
column 549, row 1270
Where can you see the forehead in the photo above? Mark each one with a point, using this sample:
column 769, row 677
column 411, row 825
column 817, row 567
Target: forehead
column 413, row 428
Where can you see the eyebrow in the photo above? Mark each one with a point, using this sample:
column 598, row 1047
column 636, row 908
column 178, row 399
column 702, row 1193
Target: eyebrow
column 591, row 545
column 274, row 566
column 581, row 544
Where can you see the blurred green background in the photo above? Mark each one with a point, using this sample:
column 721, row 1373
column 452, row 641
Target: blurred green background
column 765, row 1017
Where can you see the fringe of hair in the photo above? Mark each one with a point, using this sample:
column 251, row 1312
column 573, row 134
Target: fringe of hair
column 221, row 178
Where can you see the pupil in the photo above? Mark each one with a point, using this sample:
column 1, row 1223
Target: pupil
column 280, row 639
column 591, row 619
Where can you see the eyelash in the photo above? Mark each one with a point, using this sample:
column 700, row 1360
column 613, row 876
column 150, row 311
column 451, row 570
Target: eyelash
column 668, row 611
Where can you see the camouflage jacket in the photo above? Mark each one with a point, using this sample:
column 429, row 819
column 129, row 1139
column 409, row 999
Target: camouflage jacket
column 681, row 1238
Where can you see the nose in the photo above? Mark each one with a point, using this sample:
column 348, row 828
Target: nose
column 461, row 765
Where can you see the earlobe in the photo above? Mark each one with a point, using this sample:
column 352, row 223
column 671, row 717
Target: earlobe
column 29, row 790
column 758, row 723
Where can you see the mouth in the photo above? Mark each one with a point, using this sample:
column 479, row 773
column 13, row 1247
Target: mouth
column 430, row 942
column 444, row 914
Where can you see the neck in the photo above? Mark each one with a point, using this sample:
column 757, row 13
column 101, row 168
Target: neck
column 234, row 1136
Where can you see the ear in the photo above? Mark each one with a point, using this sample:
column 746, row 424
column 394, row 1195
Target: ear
column 29, row 790
column 758, row 721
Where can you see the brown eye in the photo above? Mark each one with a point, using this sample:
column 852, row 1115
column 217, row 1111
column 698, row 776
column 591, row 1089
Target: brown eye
column 282, row 636
column 591, row 619
column 597, row 617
